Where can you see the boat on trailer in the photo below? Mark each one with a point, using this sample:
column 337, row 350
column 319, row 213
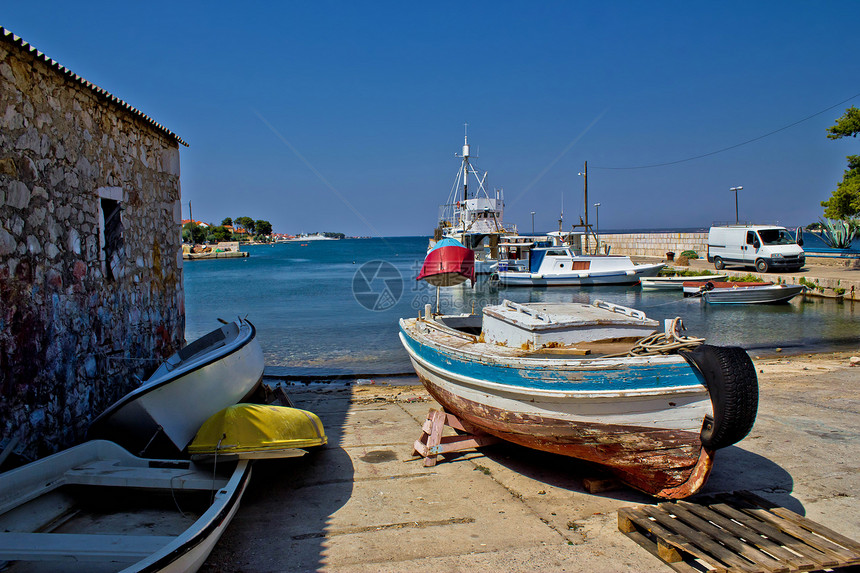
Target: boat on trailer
column 597, row 382
column 96, row 507
column 220, row 369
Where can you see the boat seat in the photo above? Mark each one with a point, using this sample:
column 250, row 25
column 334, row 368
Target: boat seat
column 108, row 473
column 79, row 547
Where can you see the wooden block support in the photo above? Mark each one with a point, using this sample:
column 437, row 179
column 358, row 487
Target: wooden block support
column 597, row 485
column 432, row 443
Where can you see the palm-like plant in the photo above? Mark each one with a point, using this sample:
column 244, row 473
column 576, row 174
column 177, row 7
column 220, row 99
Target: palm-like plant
column 838, row 234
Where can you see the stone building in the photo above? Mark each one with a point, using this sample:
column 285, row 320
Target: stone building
column 91, row 295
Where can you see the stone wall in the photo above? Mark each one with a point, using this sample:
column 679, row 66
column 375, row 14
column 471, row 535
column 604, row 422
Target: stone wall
column 656, row 244
column 78, row 322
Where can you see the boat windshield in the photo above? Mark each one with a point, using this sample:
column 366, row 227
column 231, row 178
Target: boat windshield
column 775, row 237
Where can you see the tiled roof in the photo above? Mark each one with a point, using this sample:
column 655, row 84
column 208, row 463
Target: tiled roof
column 11, row 38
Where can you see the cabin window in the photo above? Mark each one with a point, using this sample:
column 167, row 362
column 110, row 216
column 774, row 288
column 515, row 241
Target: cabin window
column 557, row 253
column 750, row 237
column 111, row 232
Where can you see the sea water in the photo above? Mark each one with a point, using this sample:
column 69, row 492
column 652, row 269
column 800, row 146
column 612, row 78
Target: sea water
column 332, row 307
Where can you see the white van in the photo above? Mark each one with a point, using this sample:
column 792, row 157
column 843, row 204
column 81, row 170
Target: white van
column 765, row 247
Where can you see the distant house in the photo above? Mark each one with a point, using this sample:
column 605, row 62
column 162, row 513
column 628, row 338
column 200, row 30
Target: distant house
column 91, row 292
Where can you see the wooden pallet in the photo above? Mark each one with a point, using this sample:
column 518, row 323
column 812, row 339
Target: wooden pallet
column 432, row 443
column 736, row 532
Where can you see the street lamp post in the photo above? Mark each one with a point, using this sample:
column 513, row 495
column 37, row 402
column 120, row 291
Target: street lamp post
column 736, row 189
column 533, row 222
column 597, row 226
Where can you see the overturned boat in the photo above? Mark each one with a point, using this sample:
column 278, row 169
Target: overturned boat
column 597, row 382
column 220, row 369
column 257, row 431
column 96, row 507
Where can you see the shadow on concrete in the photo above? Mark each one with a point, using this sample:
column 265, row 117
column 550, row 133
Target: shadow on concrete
column 734, row 469
column 738, row 469
column 282, row 520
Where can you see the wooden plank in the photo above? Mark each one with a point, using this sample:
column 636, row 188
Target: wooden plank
column 804, row 522
column 787, row 526
column 820, row 559
column 797, row 562
column 79, row 547
column 726, row 538
column 651, row 547
column 701, row 540
column 638, row 517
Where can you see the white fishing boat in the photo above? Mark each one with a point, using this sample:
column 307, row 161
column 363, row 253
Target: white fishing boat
column 559, row 266
column 742, row 293
column 95, row 507
column 217, row 370
column 474, row 216
column 675, row 282
column 596, row 382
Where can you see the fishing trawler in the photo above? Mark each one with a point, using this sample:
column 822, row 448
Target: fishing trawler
column 473, row 215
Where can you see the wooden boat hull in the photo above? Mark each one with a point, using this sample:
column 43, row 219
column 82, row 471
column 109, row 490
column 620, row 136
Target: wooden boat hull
column 128, row 533
column 187, row 389
column 641, row 418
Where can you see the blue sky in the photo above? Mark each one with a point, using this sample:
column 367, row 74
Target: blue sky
column 345, row 116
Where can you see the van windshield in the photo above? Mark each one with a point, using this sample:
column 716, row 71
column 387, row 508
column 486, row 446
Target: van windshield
column 775, row 237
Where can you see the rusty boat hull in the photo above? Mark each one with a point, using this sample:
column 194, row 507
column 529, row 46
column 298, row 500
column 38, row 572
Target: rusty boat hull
column 639, row 417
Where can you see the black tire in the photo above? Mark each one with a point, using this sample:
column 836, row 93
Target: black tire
column 732, row 384
column 761, row 266
column 719, row 264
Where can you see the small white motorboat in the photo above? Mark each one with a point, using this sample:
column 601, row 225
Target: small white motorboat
column 217, row 370
column 559, row 266
column 96, row 507
column 595, row 382
column 675, row 282
column 742, row 293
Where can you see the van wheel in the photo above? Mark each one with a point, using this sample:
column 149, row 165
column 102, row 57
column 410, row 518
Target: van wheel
column 719, row 264
column 761, row 265
column 733, row 388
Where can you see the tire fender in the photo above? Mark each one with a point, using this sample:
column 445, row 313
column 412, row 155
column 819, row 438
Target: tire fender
column 730, row 377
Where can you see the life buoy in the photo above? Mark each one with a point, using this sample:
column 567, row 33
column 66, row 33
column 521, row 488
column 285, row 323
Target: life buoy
column 732, row 384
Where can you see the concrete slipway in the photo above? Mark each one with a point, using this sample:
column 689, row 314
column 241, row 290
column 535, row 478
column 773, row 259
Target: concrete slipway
column 364, row 504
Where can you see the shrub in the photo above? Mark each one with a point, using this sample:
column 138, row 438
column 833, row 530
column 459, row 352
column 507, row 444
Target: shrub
column 690, row 254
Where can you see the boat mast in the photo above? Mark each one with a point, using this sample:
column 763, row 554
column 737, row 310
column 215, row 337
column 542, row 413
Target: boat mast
column 465, row 174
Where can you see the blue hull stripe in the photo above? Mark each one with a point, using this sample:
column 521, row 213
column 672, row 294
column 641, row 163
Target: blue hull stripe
column 624, row 377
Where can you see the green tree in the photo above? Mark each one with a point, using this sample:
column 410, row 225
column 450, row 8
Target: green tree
column 193, row 233
column 227, row 221
column 263, row 227
column 221, row 233
column 845, row 201
column 246, row 223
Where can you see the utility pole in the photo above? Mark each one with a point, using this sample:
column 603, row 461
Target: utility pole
column 584, row 175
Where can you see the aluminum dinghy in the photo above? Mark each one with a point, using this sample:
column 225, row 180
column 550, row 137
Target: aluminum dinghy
column 220, row 369
column 566, row 378
column 96, row 507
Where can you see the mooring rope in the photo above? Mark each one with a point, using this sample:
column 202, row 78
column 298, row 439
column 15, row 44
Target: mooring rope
column 661, row 343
